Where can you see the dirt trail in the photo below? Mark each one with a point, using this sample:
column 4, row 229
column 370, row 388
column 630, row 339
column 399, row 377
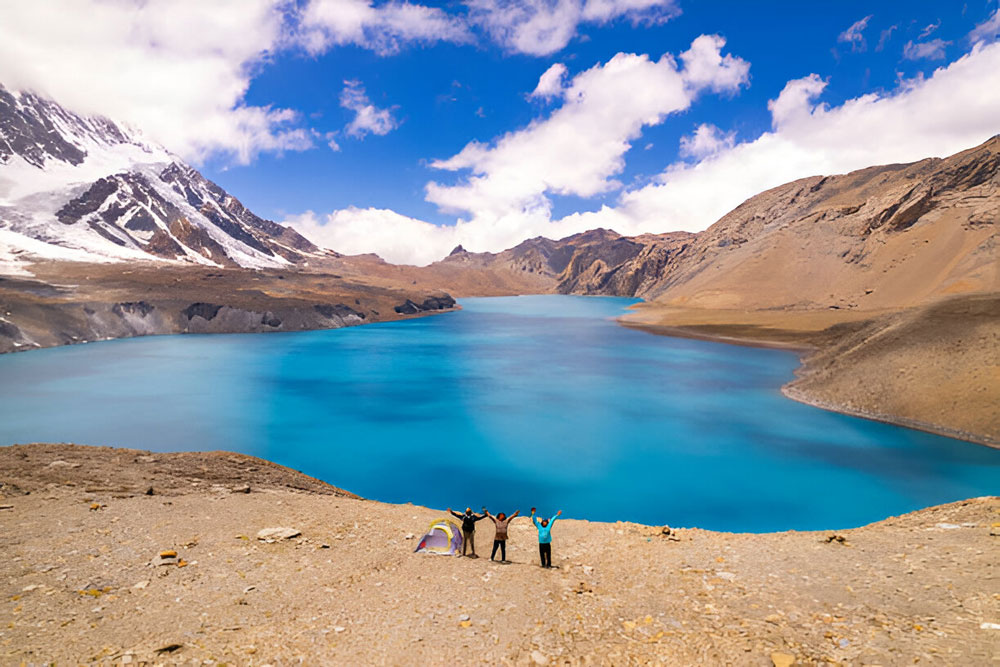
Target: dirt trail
column 78, row 584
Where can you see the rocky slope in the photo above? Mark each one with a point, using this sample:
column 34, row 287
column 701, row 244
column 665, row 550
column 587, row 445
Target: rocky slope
column 882, row 237
column 71, row 302
column 83, row 528
column 90, row 189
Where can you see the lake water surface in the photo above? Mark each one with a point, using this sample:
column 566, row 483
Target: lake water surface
column 511, row 402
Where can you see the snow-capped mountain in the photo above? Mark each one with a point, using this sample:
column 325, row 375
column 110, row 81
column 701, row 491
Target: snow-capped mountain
column 87, row 188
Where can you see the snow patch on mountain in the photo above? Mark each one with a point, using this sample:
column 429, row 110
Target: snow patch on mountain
column 89, row 189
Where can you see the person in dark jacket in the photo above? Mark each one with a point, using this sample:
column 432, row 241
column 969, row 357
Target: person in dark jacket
column 501, row 521
column 468, row 528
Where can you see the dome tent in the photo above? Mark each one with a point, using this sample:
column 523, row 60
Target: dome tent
column 442, row 538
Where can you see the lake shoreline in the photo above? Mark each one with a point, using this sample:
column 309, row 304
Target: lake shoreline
column 825, row 342
column 904, row 587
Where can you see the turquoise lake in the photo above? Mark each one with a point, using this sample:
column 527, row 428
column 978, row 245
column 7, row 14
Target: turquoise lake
column 508, row 403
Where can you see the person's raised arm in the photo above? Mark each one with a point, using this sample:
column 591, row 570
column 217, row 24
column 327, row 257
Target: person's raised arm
column 454, row 513
column 516, row 512
column 553, row 519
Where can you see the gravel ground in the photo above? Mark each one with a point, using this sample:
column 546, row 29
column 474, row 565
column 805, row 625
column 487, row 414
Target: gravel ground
column 80, row 536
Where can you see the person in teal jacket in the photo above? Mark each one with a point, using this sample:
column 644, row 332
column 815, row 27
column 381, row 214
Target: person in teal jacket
column 544, row 537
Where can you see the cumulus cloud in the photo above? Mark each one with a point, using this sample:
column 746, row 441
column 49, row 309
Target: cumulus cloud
column 395, row 237
column 580, row 147
column 988, row 30
column 951, row 110
column 542, row 27
column 367, row 117
column 179, row 71
column 550, row 83
column 854, row 35
column 383, row 29
column 707, row 140
column 935, row 116
column 931, row 50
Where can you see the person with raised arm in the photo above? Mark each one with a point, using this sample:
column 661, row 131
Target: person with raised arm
column 544, row 537
column 468, row 528
column 501, row 521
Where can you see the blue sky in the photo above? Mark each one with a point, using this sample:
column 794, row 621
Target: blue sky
column 439, row 92
column 255, row 92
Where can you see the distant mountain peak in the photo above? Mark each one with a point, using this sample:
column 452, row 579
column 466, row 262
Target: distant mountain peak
column 99, row 189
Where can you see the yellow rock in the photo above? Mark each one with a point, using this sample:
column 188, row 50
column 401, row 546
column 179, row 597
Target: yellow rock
column 169, row 553
column 466, row 624
column 648, row 620
column 782, row 659
column 629, row 625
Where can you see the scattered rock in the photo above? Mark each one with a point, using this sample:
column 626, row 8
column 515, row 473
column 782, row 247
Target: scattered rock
column 539, row 658
column 6, row 507
column 149, row 491
column 245, row 488
column 168, row 557
column 63, row 464
column 141, row 585
column 782, row 659
column 275, row 534
column 410, row 536
column 170, row 648
column 773, row 618
column 836, row 539
column 947, row 526
column 339, row 628
column 989, row 626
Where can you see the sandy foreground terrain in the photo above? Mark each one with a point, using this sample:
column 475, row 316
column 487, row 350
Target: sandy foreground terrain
column 81, row 534
column 933, row 367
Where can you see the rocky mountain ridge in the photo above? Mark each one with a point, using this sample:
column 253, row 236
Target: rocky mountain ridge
column 90, row 189
column 886, row 236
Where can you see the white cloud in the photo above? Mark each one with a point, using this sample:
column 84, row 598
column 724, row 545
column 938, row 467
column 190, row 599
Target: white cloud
column 885, row 36
column 550, row 83
column 638, row 11
column 367, row 117
column 580, row 147
column 395, row 237
column 931, row 27
column 707, row 140
column 177, row 70
column 542, row 27
column 854, row 35
column 383, row 29
column 951, row 110
column 932, row 50
column 706, row 67
column 988, row 30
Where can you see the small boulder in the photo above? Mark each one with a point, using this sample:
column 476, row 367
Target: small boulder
column 782, row 659
column 243, row 488
column 539, row 658
column 275, row 534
